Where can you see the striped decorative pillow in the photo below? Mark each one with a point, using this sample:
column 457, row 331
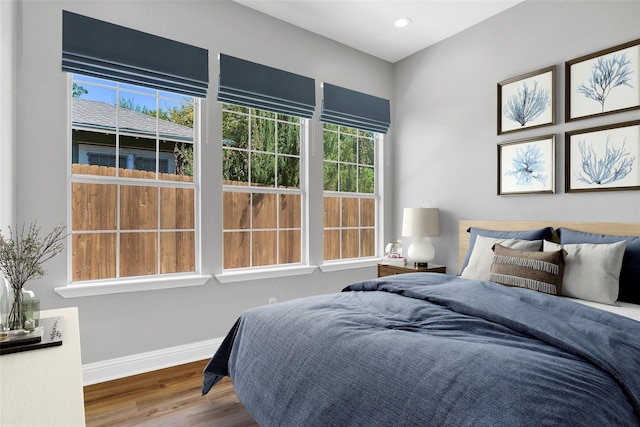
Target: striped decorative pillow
column 538, row 271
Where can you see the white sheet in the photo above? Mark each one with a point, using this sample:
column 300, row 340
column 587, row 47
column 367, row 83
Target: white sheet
column 632, row 311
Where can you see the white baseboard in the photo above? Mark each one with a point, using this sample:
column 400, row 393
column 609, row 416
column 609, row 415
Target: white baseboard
column 121, row 367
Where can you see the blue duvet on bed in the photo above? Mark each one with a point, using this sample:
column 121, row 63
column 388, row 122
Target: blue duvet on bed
column 427, row 349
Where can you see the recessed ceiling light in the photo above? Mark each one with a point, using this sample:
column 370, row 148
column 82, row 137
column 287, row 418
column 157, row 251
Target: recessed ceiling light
column 402, row 22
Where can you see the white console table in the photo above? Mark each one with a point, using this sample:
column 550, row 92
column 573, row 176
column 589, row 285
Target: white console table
column 43, row 387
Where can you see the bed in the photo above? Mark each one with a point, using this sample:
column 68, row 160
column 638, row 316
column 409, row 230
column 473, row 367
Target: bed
column 444, row 350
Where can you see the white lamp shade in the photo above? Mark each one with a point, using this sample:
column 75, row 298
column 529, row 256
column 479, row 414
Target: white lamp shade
column 421, row 222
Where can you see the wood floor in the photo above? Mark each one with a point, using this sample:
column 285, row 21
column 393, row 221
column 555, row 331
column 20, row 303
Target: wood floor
column 168, row 397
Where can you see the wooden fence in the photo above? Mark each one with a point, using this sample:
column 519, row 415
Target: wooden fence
column 157, row 227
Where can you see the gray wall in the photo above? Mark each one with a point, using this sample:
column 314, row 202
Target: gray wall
column 443, row 142
column 118, row 325
column 445, row 139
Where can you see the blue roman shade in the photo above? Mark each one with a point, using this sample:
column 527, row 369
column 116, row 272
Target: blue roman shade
column 257, row 86
column 101, row 49
column 347, row 107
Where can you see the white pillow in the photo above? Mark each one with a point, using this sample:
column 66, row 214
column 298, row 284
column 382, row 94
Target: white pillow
column 591, row 271
column 481, row 258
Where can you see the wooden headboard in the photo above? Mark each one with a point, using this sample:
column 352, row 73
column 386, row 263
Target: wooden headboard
column 616, row 228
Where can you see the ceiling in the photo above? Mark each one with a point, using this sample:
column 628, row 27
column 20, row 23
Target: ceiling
column 368, row 25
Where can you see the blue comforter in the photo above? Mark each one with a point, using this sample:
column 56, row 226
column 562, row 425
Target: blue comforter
column 432, row 350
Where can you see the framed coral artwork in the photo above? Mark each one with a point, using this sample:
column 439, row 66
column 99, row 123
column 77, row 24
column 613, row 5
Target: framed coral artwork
column 603, row 82
column 527, row 166
column 527, row 101
column 603, row 158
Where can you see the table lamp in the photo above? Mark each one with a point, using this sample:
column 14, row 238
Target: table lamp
column 421, row 223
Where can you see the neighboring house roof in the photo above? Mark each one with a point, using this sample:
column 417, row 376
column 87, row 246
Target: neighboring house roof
column 101, row 115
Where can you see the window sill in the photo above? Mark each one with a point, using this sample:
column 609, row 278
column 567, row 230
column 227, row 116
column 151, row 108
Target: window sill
column 349, row 264
column 240, row 275
column 131, row 285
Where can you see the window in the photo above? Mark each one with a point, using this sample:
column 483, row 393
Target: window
column 133, row 183
column 262, row 189
column 350, row 196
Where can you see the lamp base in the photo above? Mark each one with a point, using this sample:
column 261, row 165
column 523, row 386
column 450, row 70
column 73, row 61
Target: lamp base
column 417, row 265
column 421, row 251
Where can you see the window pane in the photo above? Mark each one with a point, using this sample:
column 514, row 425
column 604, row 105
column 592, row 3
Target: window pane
column 93, row 206
column 288, row 172
column 142, row 89
column 137, row 113
column 138, row 254
column 93, row 153
column 263, row 169
column 177, row 208
column 290, row 210
column 137, row 157
column 264, row 210
column 236, row 108
column 237, row 247
column 94, row 256
column 177, row 252
column 289, row 138
column 350, row 244
column 235, row 167
column 348, row 178
column 176, row 119
column 366, row 151
column 330, row 176
column 138, row 207
column 367, row 242
column 348, row 145
column 350, row 212
column 235, row 210
column 263, row 113
column 330, row 145
column 235, row 130
column 331, row 212
column 367, row 212
column 176, row 161
column 290, row 119
column 332, row 127
column 264, row 248
column 331, row 245
column 93, row 105
column 366, row 177
column 290, row 246
column 263, row 135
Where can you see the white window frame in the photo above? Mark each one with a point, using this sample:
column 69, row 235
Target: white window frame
column 136, row 283
column 368, row 261
column 287, row 269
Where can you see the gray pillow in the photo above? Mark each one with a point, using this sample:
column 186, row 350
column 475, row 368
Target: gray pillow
column 481, row 258
column 630, row 272
column 591, row 271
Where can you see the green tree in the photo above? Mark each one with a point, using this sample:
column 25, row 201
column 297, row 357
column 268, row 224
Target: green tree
column 78, row 90
column 273, row 141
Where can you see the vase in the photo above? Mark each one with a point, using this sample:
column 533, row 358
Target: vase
column 23, row 309
column 5, row 305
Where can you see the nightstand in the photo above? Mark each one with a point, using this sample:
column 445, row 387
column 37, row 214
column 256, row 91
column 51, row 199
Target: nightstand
column 390, row 270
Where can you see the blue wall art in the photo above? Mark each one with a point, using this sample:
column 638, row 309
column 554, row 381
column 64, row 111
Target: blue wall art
column 604, row 82
column 527, row 166
column 527, row 101
column 603, row 158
